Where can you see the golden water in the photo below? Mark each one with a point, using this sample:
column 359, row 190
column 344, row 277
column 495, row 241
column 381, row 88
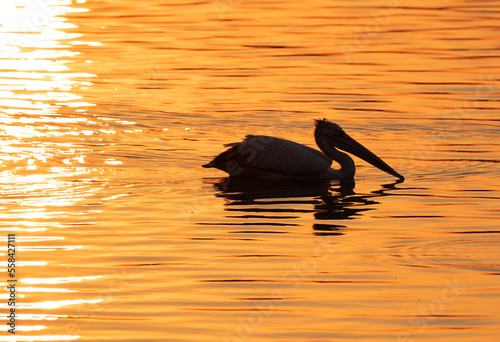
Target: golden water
column 109, row 108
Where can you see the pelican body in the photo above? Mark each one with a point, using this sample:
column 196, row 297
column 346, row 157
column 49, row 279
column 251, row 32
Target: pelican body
column 260, row 156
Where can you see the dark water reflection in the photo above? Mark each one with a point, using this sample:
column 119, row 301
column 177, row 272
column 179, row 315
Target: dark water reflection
column 285, row 200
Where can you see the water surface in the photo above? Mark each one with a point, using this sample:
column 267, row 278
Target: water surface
column 108, row 110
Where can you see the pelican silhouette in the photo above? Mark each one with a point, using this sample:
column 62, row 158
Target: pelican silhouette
column 260, row 156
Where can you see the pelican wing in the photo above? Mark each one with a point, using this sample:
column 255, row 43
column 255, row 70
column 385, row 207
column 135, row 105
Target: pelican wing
column 273, row 155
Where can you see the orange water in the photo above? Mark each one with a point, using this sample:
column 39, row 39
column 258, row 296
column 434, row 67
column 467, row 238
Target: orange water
column 109, row 108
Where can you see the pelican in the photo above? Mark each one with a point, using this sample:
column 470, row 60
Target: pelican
column 260, row 156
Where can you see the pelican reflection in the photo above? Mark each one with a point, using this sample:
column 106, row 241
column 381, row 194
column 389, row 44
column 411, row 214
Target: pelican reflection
column 280, row 203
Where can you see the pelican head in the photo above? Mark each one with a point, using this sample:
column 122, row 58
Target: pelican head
column 330, row 136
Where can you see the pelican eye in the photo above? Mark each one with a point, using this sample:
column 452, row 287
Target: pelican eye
column 337, row 131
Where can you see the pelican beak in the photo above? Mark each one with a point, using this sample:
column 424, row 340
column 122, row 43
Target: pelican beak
column 348, row 144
